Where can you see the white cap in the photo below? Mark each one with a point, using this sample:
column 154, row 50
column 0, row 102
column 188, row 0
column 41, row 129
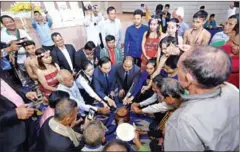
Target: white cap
column 180, row 12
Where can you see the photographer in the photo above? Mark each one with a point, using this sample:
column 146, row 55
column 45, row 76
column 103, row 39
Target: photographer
column 15, row 53
column 91, row 22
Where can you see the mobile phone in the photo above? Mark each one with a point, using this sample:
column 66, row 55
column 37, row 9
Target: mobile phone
column 91, row 114
column 142, row 5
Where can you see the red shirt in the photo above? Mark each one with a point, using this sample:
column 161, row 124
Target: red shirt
column 112, row 55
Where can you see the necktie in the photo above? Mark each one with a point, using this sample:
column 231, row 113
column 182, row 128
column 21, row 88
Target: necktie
column 126, row 78
column 106, row 77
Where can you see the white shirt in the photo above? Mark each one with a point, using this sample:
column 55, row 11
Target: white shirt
column 231, row 11
column 67, row 56
column 220, row 36
column 5, row 37
column 91, row 29
column 75, row 95
column 158, row 107
column 112, row 28
column 82, row 83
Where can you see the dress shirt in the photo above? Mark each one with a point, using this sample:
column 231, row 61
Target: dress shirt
column 10, row 94
column 7, row 37
column 133, row 41
column 44, row 31
column 112, row 28
column 205, row 122
column 82, row 83
column 182, row 28
column 67, row 56
column 75, row 95
column 46, row 114
column 155, row 108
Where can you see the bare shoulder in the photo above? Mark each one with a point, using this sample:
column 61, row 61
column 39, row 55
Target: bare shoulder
column 188, row 31
column 206, row 33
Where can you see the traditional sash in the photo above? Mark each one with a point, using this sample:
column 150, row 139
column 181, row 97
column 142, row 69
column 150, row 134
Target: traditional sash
column 65, row 131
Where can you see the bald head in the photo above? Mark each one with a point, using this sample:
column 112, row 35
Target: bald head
column 128, row 62
column 116, row 145
column 209, row 66
column 65, row 78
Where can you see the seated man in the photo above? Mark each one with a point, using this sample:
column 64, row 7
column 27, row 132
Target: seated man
column 168, row 93
column 54, row 98
column 89, row 52
column 13, row 115
column 127, row 74
column 68, row 85
column 115, row 54
column 56, row 135
column 197, row 35
column 104, row 80
column 94, row 136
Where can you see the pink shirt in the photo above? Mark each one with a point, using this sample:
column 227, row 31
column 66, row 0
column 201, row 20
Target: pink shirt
column 46, row 114
column 10, row 94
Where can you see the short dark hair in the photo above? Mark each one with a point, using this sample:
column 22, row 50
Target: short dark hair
column 37, row 12
column 201, row 14
column 212, row 15
column 103, row 60
column 236, row 27
column 85, row 63
column 202, row 7
column 138, row 12
column 158, row 80
column 168, row 40
column 64, row 107
column 89, row 45
column 167, row 5
column 27, row 43
column 55, row 34
column 56, row 96
column 5, row 16
column 171, row 87
column 208, row 65
column 109, row 38
column 117, row 142
column 109, row 9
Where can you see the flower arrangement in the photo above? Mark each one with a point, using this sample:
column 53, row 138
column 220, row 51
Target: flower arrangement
column 22, row 7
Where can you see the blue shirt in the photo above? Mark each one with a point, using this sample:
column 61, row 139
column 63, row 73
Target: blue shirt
column 133, row 40
column 5, row 64
column 182, row 28
column 44, row 31
column 141, row 82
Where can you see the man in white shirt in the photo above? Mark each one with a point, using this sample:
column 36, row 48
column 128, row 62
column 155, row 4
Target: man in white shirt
column 167, row 92
column 112, row 26
column 9, row 34
column 91, row 22
column 68, row 85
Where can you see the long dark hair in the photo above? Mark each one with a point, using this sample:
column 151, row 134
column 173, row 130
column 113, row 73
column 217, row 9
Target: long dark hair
column 174, row 20
column 39, row 58
column 154, row 17
column 84, row 66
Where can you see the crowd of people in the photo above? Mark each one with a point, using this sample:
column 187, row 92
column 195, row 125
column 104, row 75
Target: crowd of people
column 175, row 72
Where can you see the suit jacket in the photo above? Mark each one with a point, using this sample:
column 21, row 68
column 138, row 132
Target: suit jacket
column 50, row 141
column 12, row 130
column 80, row 57
column 133, row 76
column 100, row 83
column 60, row 59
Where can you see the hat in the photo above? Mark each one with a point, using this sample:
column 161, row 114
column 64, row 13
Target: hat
column 180, row 11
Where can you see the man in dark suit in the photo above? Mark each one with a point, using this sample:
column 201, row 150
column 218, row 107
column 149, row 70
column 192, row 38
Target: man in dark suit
column 104, row 80
column 127, row 74
column 56, row 134
column 89, row 52
column 14, row 115
column 63, row 54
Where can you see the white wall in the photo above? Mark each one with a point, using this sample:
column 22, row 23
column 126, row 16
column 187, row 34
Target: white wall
column 218, row 8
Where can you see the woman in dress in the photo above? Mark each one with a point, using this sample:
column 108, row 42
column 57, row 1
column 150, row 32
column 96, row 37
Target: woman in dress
column 85, row 83
column 47, row 72
column 151, row 39
column 138, row 94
